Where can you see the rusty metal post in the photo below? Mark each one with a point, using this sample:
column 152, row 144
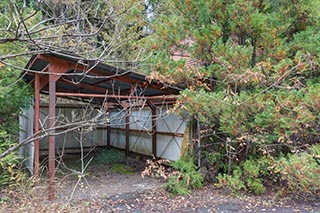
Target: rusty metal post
column 153, row 126
column 51, row 167
column 36, row 124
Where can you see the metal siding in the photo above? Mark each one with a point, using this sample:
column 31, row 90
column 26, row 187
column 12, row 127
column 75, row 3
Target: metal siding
column 140, row 143
column 141, row 119
column 26, row 124
column 168, row 147
column 117, row 138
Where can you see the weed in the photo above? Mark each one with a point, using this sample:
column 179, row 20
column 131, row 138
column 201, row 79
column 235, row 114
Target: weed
column 109, row 156
column 122, row 169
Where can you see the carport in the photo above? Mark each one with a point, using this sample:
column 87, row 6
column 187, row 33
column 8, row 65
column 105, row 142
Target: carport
column 69, row 76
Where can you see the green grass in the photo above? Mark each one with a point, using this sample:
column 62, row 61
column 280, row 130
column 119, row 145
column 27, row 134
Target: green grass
column 122, row 169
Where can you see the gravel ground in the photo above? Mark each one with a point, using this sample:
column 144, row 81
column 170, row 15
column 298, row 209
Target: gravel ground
column 105, row 191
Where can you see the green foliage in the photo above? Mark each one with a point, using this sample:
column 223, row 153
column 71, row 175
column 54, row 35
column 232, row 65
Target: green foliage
column 176, row 186
column 249, row 176
column 297, row 173
column 262, row 60
column 231, row 182
column 300, row 172
column 254, row 171
column 10, row 166
column 185, row 178
column 14, row 95
column 109, row 156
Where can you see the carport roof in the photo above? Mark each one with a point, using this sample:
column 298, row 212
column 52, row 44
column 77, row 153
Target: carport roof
column 77, row 75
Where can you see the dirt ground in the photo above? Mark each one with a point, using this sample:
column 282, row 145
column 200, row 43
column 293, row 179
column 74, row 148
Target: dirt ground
column 105, row 191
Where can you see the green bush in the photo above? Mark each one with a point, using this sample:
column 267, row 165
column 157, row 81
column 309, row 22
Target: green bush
column 10, row 171
column 249, row 176
column 231, row 182
column 301, row 172
column 254, row 172
column 297, row 173
column 255, row 185
column 185, row 178
column 315, row 151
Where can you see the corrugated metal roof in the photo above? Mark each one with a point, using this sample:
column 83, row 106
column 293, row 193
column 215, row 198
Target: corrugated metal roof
column 97, row 78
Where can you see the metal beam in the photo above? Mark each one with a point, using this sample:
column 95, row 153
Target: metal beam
column 83, row 85
column 157, row 85
column 36, row 124
column 173, row 134
column 67, row 94
column 154, row 127
column 51, row 119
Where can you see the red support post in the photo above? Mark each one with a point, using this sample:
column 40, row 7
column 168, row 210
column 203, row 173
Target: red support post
column 36, row 124
column 51, row 119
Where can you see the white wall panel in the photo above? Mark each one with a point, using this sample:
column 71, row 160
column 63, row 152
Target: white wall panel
column 141, row 119
column 168, row 147
column 141, row 143
column 26, row 126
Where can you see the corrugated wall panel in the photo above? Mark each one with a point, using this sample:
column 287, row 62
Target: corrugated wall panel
column 168, row 147
column 140, row 143
column 118, row 139
column 141, row 119
column 26, row 126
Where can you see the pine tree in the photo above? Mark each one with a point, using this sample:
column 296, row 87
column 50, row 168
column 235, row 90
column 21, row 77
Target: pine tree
column 251, row 69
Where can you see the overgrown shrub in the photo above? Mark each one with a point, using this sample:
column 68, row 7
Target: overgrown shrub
column 301, row 172
column 185, row 178
column 256, row 88
column 297, row 173
column 231, row 182
column 14, row 95
column 10, row 166
column 181, row 176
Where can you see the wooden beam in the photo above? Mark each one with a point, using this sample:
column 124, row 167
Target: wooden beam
column 172, row 134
